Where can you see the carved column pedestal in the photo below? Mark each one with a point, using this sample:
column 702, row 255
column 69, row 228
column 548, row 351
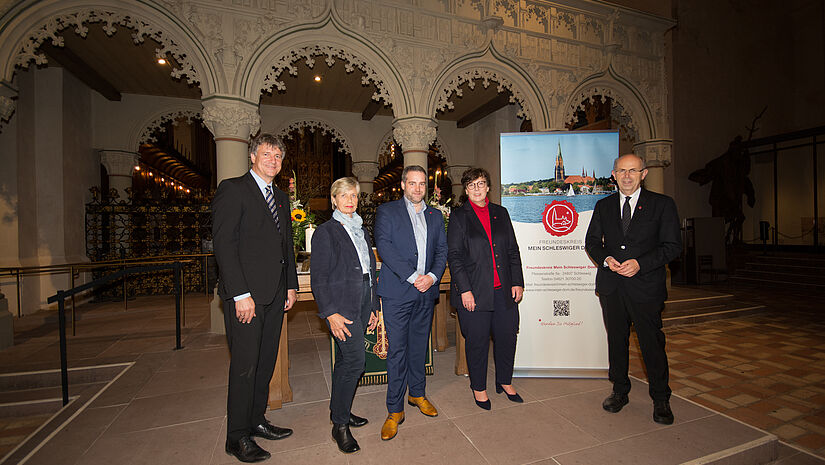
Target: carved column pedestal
column 120, row 165
column 657, row 156
column 365, row 171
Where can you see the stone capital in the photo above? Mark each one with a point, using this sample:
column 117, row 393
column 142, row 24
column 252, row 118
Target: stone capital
column 365, row 171
column 656, row 153
column 119, row 162
column 455, row 173
column 7, row 107
column 229, row 117
column 414, row 133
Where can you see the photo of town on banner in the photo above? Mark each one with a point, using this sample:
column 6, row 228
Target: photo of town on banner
column 550, row 183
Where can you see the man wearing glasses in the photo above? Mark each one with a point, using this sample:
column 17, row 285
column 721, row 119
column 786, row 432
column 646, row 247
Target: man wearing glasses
column 632, row 236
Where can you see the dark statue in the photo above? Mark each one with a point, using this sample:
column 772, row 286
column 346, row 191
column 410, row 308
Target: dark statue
column 728, row 174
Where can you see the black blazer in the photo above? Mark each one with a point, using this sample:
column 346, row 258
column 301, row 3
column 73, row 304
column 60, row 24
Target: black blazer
column 471, row 262
column 337, row 277
column 252, row 255
column 653, row 239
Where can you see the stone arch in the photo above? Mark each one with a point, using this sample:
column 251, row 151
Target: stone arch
column 141, row 132
column 490, row 66
column 319, row 125
column 329, row 39
column 32, row 26
column 636, row 114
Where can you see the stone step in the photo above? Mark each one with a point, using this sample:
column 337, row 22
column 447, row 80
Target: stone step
column 51, row 378
column 747, row 281
column 761, row 450
column 805, row 270
column 784, row 277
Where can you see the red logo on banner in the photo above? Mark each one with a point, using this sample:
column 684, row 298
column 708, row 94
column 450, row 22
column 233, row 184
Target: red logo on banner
column 560, row 218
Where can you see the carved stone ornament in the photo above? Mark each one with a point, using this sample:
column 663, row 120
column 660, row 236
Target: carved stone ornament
column 7, row 107
column 456, row 172
column 486, row 76
column 331, row 54
column 656, row 153
column 625, row 118
column 365, row 171
column 231, row 118
column 118, row 163
column 325, row 129
column 147, row 135
column 414, row 133
column 110, row 20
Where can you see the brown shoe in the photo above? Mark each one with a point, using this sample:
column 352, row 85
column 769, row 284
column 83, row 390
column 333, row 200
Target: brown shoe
column 390, row 428
column 424, row 405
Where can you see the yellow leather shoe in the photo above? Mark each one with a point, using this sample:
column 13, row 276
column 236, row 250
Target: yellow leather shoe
column 390, row 428
column 424, row 405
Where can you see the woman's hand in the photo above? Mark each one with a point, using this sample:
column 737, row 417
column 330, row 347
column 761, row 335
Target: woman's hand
column 518, row 293
column 468, row 300
column 338, row 326
column 373, row 321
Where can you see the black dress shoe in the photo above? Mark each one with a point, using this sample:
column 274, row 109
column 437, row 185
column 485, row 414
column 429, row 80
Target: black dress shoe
column 615, row 402
column 485, row 404
column 513, row 397
column 343, row 437
column 356, row 422
column 267, row 430
column 246, row 450
column 662, row 413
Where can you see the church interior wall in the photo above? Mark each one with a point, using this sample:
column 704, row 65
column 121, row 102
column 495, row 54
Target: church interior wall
column 731, row 60
column 9, row 204
column 459, row 142
column 487, row 149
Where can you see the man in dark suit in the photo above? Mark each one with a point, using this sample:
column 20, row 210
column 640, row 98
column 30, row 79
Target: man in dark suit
column 632, row 236
column 413, row 248
column 258, row 282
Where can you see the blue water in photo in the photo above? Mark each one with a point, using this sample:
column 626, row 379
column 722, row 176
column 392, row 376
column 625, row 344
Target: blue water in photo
column 528, row 208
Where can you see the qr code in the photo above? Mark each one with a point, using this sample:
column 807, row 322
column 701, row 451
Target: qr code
column 561, row 308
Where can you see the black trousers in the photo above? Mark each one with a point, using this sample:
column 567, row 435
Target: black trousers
column 477, row 327
column 349, row 362
column 254, row 350
column 619, row 311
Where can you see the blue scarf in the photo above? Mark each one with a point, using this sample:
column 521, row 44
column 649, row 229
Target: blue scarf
column 356, row 233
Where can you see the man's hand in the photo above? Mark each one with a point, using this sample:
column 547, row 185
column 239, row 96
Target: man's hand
column 338, row 326
column 245, row 310
column 423, row 282
column 628, row 268
column 373, row 321
column 468, row 300
column 613, row 264
column 517, row 293
column 291, row 298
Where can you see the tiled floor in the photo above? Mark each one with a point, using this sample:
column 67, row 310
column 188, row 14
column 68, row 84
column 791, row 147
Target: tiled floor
column 765, row 370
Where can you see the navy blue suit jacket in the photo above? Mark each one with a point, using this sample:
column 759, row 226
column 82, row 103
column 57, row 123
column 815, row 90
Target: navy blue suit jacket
column 337, row 275
column 395, row 241
column 653, row 239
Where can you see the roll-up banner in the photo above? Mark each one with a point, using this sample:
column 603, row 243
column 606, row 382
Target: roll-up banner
column 550, row 183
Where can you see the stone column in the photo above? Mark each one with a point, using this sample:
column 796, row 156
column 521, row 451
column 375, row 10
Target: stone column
column 455, row 177
column 365, row 171
column 231, row 120
column 120, row 165
column 657, row 156
column 6, row 324
column 415, row 134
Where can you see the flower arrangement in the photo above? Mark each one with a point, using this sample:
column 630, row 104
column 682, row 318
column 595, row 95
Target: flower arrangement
column 302, row 218
column 435, row 202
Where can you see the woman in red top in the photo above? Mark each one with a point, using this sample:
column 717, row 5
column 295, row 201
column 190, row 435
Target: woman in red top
column 487, row 284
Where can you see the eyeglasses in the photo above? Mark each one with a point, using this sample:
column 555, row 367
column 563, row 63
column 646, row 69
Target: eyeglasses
column 477, row 185
column 631, row 171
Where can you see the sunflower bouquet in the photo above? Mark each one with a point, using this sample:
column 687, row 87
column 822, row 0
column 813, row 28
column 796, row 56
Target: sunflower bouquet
column 302, row 218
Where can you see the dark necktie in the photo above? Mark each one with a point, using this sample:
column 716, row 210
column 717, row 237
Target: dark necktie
column 270, row 200
column 626, row 214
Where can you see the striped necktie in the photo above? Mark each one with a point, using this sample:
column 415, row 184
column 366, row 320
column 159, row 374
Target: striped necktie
column 270, row 200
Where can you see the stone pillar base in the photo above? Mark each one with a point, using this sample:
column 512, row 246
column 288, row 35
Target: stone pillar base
column 6, row 324
column 217, row 325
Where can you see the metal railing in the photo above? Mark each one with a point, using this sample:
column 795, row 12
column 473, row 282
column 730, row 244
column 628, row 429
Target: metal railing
column 74, row 270
column 61, row 296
